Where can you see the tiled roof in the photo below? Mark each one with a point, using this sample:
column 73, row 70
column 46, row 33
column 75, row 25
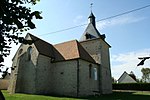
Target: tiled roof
column 63, row 51
column 73, row 50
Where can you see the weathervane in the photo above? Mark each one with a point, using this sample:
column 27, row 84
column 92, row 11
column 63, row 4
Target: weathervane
column 91, row 5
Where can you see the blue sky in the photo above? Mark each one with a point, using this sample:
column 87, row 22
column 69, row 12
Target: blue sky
column 127, row 34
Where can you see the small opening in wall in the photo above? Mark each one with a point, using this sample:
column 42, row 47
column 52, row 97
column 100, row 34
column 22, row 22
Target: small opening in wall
column 95, row 73
column 88, row 36
column 29, row 51
column 90, row 70
column 20, row 51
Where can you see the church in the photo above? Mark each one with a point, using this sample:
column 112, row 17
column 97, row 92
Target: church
column 72, row 68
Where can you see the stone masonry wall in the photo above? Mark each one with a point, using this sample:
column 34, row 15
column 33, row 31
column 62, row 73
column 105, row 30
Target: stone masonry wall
column 64, row 78
column 87, row 84
column 43, row 75
column 99, row 50
column 24, row 72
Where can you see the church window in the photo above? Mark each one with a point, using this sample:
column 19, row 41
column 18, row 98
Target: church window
column 90, row 70
column 29, row 52
column 95, row 73
column 20, row 51
column 88, row 36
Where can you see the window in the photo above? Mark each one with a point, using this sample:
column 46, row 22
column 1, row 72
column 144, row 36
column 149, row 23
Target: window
column 88, row 36
column 20, row 51
column 29, row 52
column 95, row 73
column 90, row 70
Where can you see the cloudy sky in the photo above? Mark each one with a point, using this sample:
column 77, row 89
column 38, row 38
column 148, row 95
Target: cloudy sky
column 127, row 34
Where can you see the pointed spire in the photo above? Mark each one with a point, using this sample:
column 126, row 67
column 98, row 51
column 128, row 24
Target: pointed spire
column 91, row 31
column 92, row 19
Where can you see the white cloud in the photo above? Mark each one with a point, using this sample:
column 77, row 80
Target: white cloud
column 118, row 21
column 128, row 62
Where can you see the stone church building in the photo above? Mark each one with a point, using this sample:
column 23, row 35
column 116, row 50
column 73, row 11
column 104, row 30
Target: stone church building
column 73, row 68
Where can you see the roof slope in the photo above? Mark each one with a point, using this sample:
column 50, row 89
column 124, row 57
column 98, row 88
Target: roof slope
column 42, row 46
column 63, row 51
column 126, row 78
column 90, row 30
column 73, row 50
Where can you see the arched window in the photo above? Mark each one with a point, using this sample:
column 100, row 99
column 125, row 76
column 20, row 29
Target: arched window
column 20, row 51
column 29, row 52
column 88, row 36
column 95, row 73
column 90, row 70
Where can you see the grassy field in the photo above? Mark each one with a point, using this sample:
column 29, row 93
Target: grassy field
column 115, row 96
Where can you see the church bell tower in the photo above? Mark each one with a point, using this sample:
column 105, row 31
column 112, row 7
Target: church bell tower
column 94, row 43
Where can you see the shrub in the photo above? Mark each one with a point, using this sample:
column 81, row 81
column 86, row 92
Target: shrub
column 132, row 86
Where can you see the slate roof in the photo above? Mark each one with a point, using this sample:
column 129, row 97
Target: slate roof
column 91, row 15
column 123, row 79
column 63, row 51
column 42, row 46
column 91, row 30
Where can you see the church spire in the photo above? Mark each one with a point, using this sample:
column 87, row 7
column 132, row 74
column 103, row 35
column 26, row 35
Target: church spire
column 92, row 19
column 91, row 31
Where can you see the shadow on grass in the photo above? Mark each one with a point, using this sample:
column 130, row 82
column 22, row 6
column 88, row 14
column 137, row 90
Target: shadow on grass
column 123, row 96
column 114, row 96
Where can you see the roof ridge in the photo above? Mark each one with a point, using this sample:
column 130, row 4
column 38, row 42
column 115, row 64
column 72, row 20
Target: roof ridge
column 33, row 36
column 42, row 46
column 65, row 42
column 81, row 55
column 77, row 45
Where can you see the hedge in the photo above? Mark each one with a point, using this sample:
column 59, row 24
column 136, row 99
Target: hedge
column 131, row 86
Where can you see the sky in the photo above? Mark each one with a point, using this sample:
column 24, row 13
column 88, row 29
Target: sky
column 128, row 34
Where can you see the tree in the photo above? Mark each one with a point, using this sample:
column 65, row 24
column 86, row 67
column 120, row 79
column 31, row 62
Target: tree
column 15, row 17
column 146, row 74
column 114, row 80
column 1, row 96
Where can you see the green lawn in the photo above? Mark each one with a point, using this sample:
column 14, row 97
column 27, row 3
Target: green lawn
column 114, row 96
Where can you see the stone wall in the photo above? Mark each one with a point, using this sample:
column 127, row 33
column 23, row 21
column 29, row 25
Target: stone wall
column 24, row 73
column 88, row 85
column 43, row 75
column 99, row 50
column 64, row 78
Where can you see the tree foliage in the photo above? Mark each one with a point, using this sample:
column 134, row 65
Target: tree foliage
column 15, row 17
column 146, row 74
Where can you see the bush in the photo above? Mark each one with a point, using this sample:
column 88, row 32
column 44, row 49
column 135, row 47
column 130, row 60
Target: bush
column 132, row 86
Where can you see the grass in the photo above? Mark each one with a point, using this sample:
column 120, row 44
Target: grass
column 114, row 96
